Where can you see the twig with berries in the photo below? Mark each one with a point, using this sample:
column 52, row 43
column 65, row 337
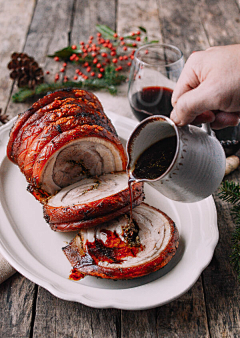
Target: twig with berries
column 101, row 63
column 108, row 52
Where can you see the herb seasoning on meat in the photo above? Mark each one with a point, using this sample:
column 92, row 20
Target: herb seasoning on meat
column 156, row 159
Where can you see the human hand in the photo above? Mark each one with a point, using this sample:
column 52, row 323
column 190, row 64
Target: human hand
column 208, row 89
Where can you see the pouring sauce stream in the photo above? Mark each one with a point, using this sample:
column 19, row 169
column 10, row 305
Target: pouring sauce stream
column 152, row 163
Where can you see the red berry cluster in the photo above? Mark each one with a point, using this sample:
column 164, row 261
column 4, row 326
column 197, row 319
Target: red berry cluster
column 93, row 57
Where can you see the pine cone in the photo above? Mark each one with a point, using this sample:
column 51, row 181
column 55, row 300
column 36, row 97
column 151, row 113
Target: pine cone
column 25, row 70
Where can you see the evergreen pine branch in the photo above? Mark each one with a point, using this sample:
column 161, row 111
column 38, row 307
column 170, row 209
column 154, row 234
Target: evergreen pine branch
column 235, row 256
column 108, row 82
column 24, row 94
column 235, row 212
column 96, row 84
column 230, row 192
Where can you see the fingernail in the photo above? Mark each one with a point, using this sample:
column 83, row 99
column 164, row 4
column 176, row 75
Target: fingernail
column 174, row 117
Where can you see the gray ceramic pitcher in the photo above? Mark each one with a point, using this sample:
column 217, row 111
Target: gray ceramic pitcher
column 198, row 166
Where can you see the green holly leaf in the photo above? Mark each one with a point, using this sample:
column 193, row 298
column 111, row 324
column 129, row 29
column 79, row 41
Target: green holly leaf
column 143, row 29
column 66, row 52
column 107, row 33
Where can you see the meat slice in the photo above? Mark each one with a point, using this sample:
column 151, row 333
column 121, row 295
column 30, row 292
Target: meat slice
column 92, row 198
column 119, row 250
column 93, row 222
column 76, row 154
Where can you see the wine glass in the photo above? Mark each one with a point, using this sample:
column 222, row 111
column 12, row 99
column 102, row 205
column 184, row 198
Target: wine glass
column 153, row 75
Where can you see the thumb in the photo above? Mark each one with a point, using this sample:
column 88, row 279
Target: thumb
column 191, row 104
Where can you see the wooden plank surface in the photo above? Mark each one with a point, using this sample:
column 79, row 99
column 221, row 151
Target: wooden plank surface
column 184, row 317
column 17, row 298
column 87, row 14
column 221, row 287
column 211, row 307
column 220, row 20
column 181, row 25
column 48, row 32
column 132, row 14
column 15, row 18
column 58, row 318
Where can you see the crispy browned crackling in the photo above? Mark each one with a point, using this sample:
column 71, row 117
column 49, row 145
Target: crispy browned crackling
column 42, row 119
column 49, row 103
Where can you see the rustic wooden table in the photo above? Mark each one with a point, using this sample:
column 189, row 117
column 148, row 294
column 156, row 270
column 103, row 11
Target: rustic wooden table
column 40, row 27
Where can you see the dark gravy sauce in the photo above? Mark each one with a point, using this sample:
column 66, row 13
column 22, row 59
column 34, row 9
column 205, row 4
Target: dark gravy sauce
column 155, row 160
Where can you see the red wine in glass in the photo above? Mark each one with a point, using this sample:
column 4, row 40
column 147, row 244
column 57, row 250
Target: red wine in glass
column 149, row 101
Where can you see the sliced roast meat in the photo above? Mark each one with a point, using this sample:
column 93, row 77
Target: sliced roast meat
column 76, row 154
column 91, row 198
column 96, row 221
column 122, row 250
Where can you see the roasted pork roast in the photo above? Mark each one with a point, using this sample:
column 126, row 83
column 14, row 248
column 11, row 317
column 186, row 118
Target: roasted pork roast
column 119, row 249
column 75, row 165
column 73, row 160
column 63, row 138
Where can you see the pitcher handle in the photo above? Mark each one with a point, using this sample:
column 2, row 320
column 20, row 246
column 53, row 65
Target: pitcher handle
column 206, row 127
